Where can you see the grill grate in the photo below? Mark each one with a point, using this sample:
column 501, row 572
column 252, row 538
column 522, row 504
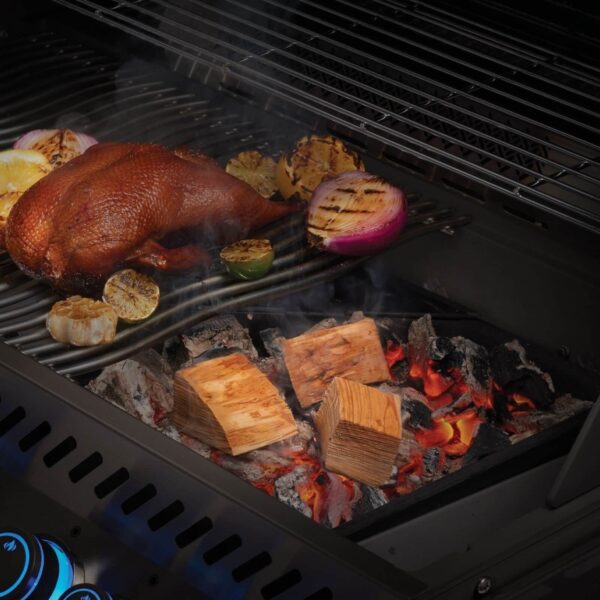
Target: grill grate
column 514, row 117
column 136, row 105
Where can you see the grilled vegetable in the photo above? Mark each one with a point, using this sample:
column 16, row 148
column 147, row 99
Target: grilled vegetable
column 313, row 159
column 256, row 170
column 19, row 170
column 57, row 145
column 355, row 214
column 248, row 259
column 82, row 322
column 133, row 296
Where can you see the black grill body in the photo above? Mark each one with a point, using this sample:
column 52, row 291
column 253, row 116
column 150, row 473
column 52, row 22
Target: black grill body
column 497, row 131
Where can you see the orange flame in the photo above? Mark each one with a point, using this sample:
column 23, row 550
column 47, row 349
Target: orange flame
column 452, row 433
column 394, row 353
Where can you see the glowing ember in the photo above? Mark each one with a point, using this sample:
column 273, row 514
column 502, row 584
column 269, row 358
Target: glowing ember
column 394, row 353
column 452, row 433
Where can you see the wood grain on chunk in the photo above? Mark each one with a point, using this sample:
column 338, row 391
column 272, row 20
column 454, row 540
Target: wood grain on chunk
column 360, row 430
column 228, row 403
column 352, row 351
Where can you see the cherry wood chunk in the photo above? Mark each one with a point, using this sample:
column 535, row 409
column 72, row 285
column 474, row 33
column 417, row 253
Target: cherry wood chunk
column 228, row 403
column 352, row 351
column 360, row 429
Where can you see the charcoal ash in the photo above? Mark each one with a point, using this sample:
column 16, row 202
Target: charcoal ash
column 512, row 370
column 196, row 445
column 285, row 491
column 568, row 406
column 340, row 500
column 487, row 440
column 141, row 385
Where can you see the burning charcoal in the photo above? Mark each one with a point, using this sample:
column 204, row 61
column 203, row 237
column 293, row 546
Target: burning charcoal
column 433, row 463
column 517, row 375
column 141, row 385
column 488, row 439
column 327, row 323
column 285, row 490
column 420, row 333
column 219, row 334
column 272, row 338
column 466, row 356
column 370, row 499
column 501, row 403
column 566, row 406
column 462, row 403
column 416, row 413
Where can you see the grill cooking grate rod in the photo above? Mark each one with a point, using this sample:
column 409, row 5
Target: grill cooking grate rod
column 569, row 195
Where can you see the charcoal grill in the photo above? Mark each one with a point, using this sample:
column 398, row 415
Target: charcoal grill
column 480, row 125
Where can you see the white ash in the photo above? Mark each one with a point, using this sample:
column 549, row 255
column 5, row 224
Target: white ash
column 323, row 324
column 340, row 505
column 517, row 347
column 285, row 490
column 167, row 428
column 568, row 406
column 462, row 403
column 141, row 385
column 197, row 446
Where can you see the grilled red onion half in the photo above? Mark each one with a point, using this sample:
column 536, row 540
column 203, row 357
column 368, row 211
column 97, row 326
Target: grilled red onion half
column 57, row 145
column 355, row 214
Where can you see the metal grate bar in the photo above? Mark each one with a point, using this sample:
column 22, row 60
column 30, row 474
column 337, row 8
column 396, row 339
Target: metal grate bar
column 463, row 63
column 580, row 206
column 420, row 107
column 516, row 43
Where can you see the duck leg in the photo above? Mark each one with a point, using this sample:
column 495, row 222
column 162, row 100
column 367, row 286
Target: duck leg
column 152, row 254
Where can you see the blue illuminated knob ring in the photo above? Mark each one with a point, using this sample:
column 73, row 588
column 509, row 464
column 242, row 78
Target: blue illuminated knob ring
column 21, row 564
column 85, row 591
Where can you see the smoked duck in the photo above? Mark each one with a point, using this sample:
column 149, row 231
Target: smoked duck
column 113, row 204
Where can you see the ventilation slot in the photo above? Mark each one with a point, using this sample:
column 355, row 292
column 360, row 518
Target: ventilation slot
column 160, row 519
column 282, row 584
column 221, row 550
column 11, row 420
column 252, row 566
column 191, row 534
column 59, row 452
column 134, row 502
column 111, row 483
column 35, row 436
column 85, row 467
column 322, row 594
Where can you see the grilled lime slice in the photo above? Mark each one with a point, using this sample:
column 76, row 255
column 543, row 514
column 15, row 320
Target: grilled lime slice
column 248, row 259
column 134, row 296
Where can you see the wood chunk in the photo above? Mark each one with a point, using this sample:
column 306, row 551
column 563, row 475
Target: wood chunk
column 360, row 430
column 228, row 403
column 352, row 351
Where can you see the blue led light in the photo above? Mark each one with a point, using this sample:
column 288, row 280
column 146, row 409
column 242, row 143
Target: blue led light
column 39, row 574
column 65, row 571
column 17, row 583
column 95, row 595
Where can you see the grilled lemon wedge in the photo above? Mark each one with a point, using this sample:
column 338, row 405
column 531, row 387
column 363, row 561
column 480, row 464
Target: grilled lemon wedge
column 256, row 170
column 19, row 170
column 313, row 159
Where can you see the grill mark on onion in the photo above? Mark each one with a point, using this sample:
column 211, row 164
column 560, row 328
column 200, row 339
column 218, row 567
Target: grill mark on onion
column 346, row 190
column 341, row 209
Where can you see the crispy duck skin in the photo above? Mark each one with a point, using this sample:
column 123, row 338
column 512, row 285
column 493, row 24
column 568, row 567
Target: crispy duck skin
column 114, row 203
